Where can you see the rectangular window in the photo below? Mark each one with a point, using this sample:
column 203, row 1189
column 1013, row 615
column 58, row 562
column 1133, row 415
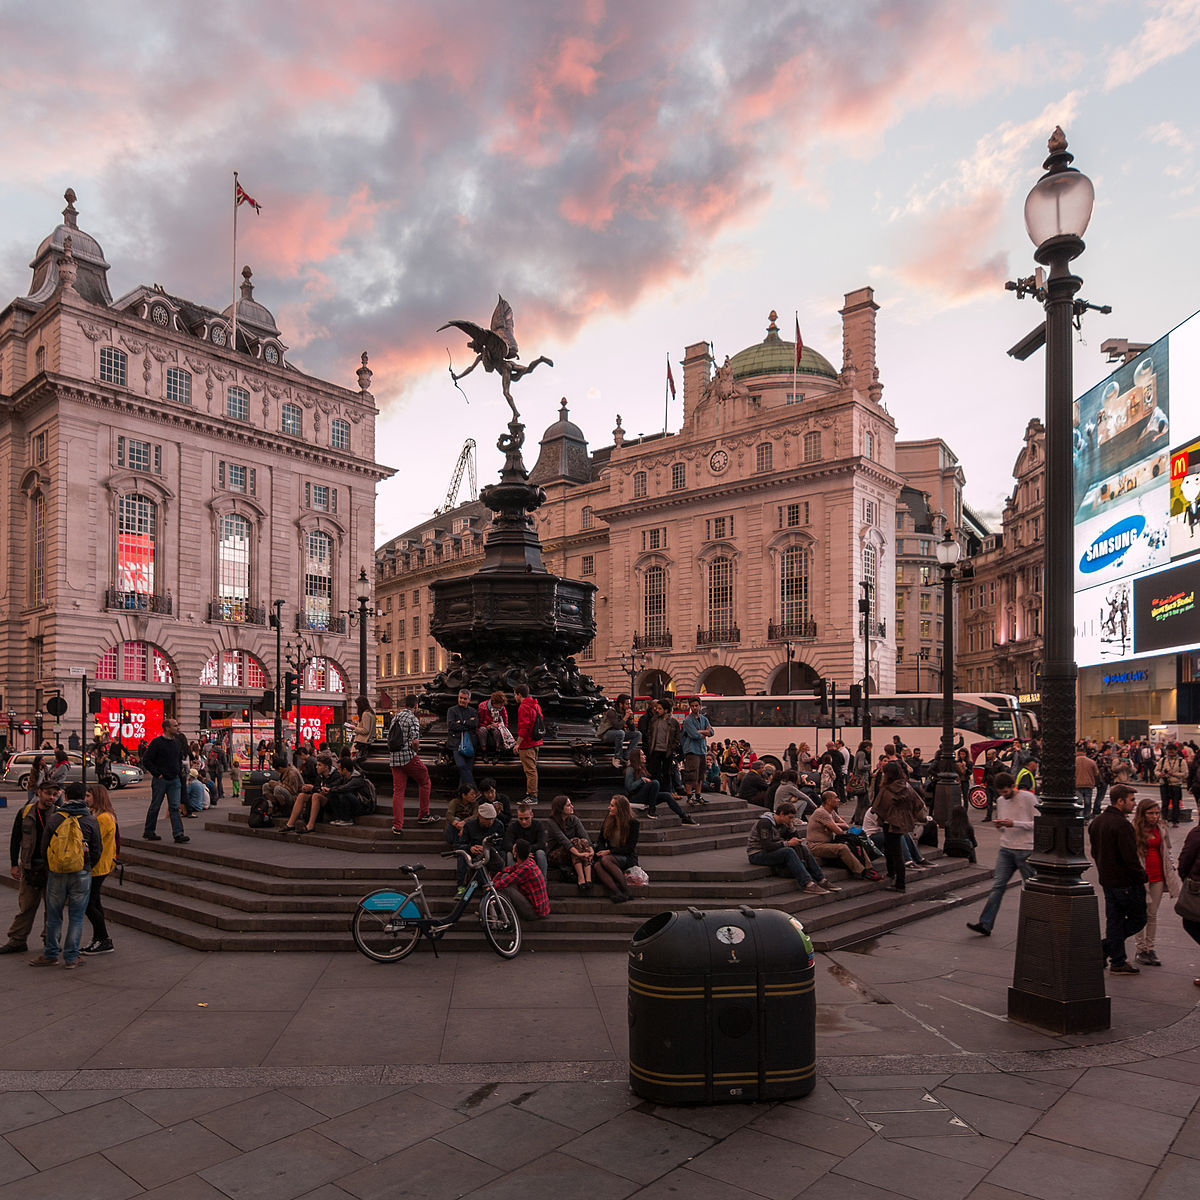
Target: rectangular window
column 899, row 520
column 927, row 575
column 320, row 497
column 416, row 595
column 588, row 653
column 416, row 625
column 654, row 539
column 678, row 477
column 400, row 624
column 970, row 599
column 137, row 455
column 926, row 602
column 899, row 602
column 794, row 398
column 926, row 547
column 112, row 366
column 926, row 630
column 431, row 658
column 870, row 512
column 899, row 630
column 415, row 659
column 179, row 386
column 37, row 534
column 992, row 592
column 792, row 516
column 237, row 403
column 387, row 664
column 812, row 447
column 292, row 421
column 639, row 485
column 717, row 528
column 589, row 565
column 38, row 448
column 237, row 478
column 763, row 457
column 252, row 479
column 339, row 435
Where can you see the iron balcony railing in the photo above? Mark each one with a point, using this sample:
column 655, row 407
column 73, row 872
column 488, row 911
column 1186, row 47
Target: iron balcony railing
column 792, row 631
column 139, row 601
column 318, row 623
column 725, row 635
column 240, row 612
column 652, row 641
column 877, row 628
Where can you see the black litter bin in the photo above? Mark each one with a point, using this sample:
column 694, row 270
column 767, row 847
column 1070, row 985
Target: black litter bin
column 722, row 1007
column 252, row 786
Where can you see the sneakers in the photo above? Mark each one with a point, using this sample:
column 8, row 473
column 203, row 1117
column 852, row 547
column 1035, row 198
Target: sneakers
column 43, row 961
column 686, row 820
column 345, row 824
column 616, row 762
column 152, row 837
column 427, row 819
column 13, row 948
column 650, row 816
column 872, row 874
column 397, row 833
column 100, row 946
column 1147, row 958
column 814, row 889
column 1125, row 968
column 181, row 838
column 531, row 801
column 830, row 887
column 982, row 930
column 70, row 966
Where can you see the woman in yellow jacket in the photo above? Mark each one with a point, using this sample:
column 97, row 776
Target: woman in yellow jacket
column 110, row 843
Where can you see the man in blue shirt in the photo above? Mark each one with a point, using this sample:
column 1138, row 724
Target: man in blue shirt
column 695, row 733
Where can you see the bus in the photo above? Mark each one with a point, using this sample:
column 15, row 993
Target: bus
column 769, row 723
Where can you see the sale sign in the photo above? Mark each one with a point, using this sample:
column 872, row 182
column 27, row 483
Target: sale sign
column 129, row 719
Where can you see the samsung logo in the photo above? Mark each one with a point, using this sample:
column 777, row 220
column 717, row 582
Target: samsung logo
column 1111, row 545
column 1128, row 677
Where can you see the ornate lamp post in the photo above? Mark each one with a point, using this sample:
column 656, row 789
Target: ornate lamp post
column 946, row 792
column 633, row 660
column 363, row 595
column 864, row 607
column 1058, row 976
column 277, row 622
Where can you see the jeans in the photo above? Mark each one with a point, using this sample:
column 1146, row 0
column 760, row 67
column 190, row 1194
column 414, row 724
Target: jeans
column 1124, row 915
column 463, row 762
column 69, row 892
column 1007, row 862
column 539, row 857
column 95, row 909
column 893, row 851
column 784, row 857
column 160, row 787
column 416, row 770
column 1172, row 802
column 1087, row 797
column 645, row 792
column 623, row 741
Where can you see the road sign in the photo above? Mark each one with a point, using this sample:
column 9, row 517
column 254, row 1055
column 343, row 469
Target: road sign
column 79, row 670
column 26, row 727
column 56, row 706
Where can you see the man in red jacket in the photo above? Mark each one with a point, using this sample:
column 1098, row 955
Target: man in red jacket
column 529, row 738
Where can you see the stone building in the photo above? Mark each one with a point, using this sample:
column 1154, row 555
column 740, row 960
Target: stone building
column 728, row 556
column 999, row 640
column 165, row 492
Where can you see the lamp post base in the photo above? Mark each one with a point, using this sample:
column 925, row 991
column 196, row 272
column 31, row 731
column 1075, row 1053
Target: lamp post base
column 1058, row 973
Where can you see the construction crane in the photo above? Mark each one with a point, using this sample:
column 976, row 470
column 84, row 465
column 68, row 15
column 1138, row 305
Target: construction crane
column 466, row 462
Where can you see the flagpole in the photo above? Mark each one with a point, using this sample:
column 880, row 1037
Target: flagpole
column 796, row 360
column 233, row 346
column 666, row 393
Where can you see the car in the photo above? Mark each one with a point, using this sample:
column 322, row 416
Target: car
column 123, row 774
column 16, row 770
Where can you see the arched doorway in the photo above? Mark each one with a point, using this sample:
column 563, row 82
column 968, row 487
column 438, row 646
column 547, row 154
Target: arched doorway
column 802, row 678
column 655, row 684
column 722, row 681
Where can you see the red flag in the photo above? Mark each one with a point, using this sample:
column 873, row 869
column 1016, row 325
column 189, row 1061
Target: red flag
column 670, row 378
column 799, row 342
column 241, row 196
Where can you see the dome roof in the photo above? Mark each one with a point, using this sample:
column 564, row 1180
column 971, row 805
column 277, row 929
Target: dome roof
column 564, row 452
column 92, row 279
column 774, row 356
column 254, row 316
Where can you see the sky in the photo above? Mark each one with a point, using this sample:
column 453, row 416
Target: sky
column 632, row 177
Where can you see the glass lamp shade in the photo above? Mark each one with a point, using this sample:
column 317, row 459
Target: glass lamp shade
column 948, row 552
column 1059, row 203
column 364, row 586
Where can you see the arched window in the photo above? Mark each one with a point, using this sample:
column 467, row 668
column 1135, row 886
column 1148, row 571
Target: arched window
column 654, row 605
column 720, row 595
column 794, row 567
column 233, row 566
column 37, row 541
column 318, row 579
column 321, row 675
column 234, row 669
column 134, row 662
column 179, row 385
column 339, row 434
column 293, row 420
column 870, row 575
column 137, row 528
column 112, row 366
column 639, row 484
column 587, row 518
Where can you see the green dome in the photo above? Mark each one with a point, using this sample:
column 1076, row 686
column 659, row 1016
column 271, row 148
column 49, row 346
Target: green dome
column 774, row 356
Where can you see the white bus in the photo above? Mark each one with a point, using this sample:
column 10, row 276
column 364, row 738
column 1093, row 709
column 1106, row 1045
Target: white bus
column 770, row 723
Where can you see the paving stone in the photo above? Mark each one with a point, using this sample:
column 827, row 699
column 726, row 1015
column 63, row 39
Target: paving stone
column 73, row 1135
column 855, row 1085
column 1177, row 1176
column 907, row 1171
column 335, row 1099
column 990, row 1117
column 575, row 1033
column 833, row 1136
column 244, row 983
column 18, row 1109
column 169, row 1106
column 71, row 1100
column 1055, row 1171
column 1110, row 1127
column 638, row 1147
column 824, row 1099
column 763, row 1164
column 389, row 1125
column 473, row 1100
column 1168, row 1067
column 479, row 980
column 1016, row 1089
column 507, row 1137
column 981, row 1151
column 261, row 1119
column 283, row 1170
column 713, row 1120
column 1143, row 1090
column 1064, row 1077
column 328, row 1191
column 204, row 1039
column 838, row 1187
column 168, row 1154
column 91, row 1176
column 13, row 1165
column 554, row 1175
column 429, row 1170
column 694, row 1186
column 190, row 1187
column 1187, row 1141
column 580, row 1107
column 989, row 1191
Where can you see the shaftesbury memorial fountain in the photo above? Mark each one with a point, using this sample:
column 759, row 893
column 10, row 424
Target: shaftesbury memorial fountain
column 512, row 621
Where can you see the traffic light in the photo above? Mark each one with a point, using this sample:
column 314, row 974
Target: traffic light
column 290, row 690
column 856, row 695
column 245, row 714
column 267, row 703
column 94, row 699
column 821, row 692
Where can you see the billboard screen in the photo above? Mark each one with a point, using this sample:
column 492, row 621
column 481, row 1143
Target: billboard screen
column 1137, row 504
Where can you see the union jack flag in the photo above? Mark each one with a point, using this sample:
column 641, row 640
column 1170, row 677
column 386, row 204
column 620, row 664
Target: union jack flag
column 241, row 196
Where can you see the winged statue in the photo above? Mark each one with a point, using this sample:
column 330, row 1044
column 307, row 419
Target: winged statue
column 496, row 348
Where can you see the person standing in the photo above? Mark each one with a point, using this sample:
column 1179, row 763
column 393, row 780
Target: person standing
column 1189, row 870
column 1087, row 780
column 29, row 863
column 1154, row 851
column 68, row 878
column 531, row 727
column 899, row 808
column 992, row 767
column 404, row 741
column 462, row 736
column 217, row 763
column 1172, row 774
column 1015, row 811
column 694, row 733
column 164, row 760
column 1121, row 875
column 100, row 805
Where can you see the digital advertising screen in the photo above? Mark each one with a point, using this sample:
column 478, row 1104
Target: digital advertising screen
column 1137, row 504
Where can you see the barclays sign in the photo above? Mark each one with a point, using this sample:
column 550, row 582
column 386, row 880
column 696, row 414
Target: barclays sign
column 1112, row 545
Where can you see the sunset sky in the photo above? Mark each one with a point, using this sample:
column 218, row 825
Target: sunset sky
column 632, row 176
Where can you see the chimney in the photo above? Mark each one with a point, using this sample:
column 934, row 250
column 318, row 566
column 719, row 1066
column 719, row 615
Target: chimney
column 696, row 374
column 858, row 340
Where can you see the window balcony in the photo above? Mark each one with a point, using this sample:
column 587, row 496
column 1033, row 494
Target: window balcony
column 727, row 635
column 236, row 611
column 792, row 631
column 139, row 601
column 652, row 641
column 318, row 623
column 878, row 629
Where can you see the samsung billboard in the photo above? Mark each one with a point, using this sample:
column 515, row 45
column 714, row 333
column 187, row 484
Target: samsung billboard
column 1137, row 505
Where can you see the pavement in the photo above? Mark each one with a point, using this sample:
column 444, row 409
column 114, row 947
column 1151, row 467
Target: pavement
column 164, row 1072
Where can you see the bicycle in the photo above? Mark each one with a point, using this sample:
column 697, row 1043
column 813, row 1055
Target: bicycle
column 388, row 923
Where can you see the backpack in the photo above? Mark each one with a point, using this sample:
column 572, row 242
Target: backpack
column 537, row 731
column 65, row 854
column 395, row 738
column 367, row 799
column 260, row 813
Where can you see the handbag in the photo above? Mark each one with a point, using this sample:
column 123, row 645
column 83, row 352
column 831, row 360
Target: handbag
column 466, row 747
column 1188, row 903
column 506, row 736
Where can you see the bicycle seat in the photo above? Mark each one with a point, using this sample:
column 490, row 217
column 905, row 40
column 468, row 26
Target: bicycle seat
column 413, row 870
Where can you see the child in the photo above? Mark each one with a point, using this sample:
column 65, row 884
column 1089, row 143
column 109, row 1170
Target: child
column 960, row 837
column 235, row 776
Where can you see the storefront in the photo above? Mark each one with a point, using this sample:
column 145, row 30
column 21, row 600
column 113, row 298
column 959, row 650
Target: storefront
column 1125, row 699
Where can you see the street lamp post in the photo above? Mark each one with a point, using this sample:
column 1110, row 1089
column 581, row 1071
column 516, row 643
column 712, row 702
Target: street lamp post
column 1058, row 975
column 633, row 660
column 277, row 621
column 791, row 651
column 947, row 793
column 864, row 607
column 363, row 595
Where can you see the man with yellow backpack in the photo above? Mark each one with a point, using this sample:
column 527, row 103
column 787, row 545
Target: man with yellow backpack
column 71, row 843
column 29, row 863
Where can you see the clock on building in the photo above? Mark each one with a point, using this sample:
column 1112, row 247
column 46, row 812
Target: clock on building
column 271, row 355
column 158, row 314
column 718, row 461
column 218, row 335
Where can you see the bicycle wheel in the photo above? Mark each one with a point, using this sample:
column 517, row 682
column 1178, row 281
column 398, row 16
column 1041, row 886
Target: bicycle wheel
column 380, row 932
column 501, row 925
